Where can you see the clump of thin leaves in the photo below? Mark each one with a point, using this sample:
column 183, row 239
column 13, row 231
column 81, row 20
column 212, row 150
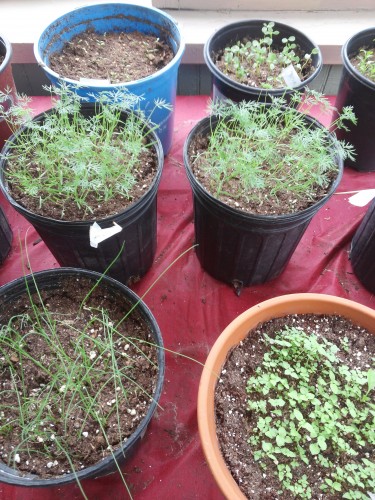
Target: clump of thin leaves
column 257, row 151
column 68, row 158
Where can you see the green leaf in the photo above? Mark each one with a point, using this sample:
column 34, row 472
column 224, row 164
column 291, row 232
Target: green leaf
column 277, row 402
column 266, row 446
column 298, row 415
column 322, row 443
column 371, row 380
column 280, row 440
column 314, row 449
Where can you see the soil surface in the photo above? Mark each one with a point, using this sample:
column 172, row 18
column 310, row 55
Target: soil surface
column 233, row 419
column 80, row 434
column 2, row 60
column 285, row 203
column 259, row 78
column 117, row 57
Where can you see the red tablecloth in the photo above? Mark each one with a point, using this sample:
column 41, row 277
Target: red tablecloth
column 192, row 309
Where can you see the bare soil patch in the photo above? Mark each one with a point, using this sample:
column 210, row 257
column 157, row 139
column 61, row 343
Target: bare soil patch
column 117, row 57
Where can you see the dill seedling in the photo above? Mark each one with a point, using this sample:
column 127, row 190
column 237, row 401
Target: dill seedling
column 68, row 158
column 258, row 152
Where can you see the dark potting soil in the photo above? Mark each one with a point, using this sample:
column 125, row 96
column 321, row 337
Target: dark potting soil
column 117, row 57
column 80, row 434
column 2, row 60
column 67, row 209
column 234, row 420
column 285, row 203
column 257, row 79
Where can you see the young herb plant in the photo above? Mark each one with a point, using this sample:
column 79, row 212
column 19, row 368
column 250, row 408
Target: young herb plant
column 259, row 64
column 365, row 62
column 257, row 153
column 73, row 377
column 306, row 403
column 71, row 381
column 71, row 159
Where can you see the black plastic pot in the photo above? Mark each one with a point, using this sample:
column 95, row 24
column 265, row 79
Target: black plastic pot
column 362, row 252
column 52, row 279
column 226, row 88
column 358, row 91
column 240, row 248
column 69, row 241
column 6, row 237
column 6, row 82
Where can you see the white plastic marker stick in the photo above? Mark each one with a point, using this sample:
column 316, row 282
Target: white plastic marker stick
column 94, row 81
column 97, row 234
column 360, row 198
column 290, row 76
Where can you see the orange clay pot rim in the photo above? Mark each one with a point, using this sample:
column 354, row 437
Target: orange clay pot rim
column 237, row 330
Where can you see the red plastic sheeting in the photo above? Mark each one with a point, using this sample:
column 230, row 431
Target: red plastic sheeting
column 192, row 309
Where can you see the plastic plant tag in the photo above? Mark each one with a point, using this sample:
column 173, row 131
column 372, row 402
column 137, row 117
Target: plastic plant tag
column 362, row 198
column 97, row 234
column 290, row 76
column 94, row 81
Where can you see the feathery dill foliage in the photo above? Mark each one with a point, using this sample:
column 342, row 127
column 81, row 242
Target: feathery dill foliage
column 269, row 150
column 68, row 157
column 310, row 409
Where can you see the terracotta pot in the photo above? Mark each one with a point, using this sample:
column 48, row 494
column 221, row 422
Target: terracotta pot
column 302, row 303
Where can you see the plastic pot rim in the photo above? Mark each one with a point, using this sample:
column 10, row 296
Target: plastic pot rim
column 9, row 475
column 258, row 90
column 112, row 86
column 8, row 52
column 346, row 54
column 130, row 208
column 237, row 330
column 197, row 186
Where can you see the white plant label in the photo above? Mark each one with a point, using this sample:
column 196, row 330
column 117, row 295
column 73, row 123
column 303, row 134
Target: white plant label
column 94, row 81
column 97, row 234
column 291, row 77
column 361, row 198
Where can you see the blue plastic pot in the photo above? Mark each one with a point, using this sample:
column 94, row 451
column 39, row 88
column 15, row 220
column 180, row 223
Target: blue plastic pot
column 120, row 17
